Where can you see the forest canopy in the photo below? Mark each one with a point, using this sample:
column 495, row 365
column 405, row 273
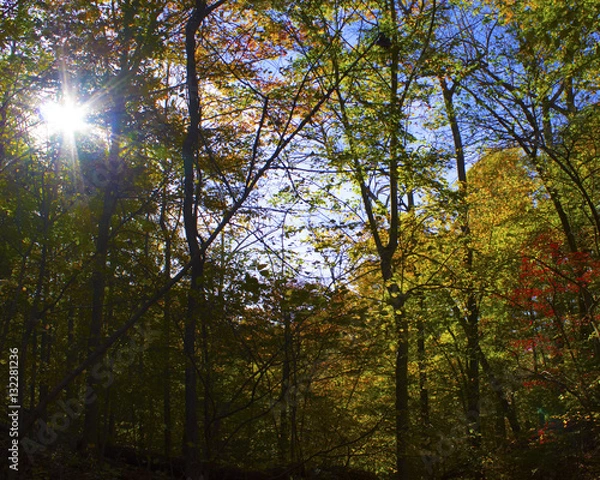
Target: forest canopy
column 252, row 239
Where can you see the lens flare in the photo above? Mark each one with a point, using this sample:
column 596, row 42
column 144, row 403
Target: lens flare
column 66, row 116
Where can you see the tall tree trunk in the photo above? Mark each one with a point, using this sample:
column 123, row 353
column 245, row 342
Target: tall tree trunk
column 422, row 362
column 402, row 412
column 471, row 313
column 470, row 321
column 386, row 238
column 209, row 423
column 190, row 146
column 45, row 356
column 36, row 314
column 556, row 201
column 284, row 425
column 71, row 354
column 584, row 299
column 29, row 335
column 166, row 331
column 472, row 367
column 386, row 255
column 397, row 301
column 98, row 283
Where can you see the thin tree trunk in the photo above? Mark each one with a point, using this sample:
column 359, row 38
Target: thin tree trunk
column 421, row 351
column 210, row 427
column 284, row 426
column 422, row 362
column 99, row 274
column 472, row 367
column 29, row 333
column 166, row 332
column 191, row 431
column 71, row 355
column 36, row 310
column 99, row 280
column 386, row 254
column 471, row 315
column 45, row 355
column 556, row 201
column 402, row 412
column 397, row 301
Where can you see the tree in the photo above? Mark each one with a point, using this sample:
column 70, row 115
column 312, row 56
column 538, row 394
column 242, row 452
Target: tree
column 232, row 184
column 378, row 161
column 255, row 243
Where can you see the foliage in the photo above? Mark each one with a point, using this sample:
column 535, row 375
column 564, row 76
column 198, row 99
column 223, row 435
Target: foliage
column 394, row 211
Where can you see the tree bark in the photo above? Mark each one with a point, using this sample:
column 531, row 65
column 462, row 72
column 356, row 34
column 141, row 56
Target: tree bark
column 166, row 331
column 471, row 314
column 402, row 412
column 284, row 426
column 191, row 429
column 397, row 300
column 422, row 362
column 99, row 280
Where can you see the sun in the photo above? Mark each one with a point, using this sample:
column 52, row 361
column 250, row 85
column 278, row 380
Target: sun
column 65, row 116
